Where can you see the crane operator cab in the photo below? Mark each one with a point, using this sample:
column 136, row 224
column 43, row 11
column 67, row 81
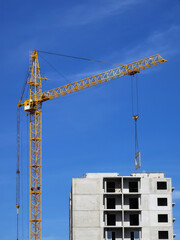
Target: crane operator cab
column 29, row 105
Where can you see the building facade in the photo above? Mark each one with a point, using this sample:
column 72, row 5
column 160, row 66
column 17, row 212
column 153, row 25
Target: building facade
column 106, row 206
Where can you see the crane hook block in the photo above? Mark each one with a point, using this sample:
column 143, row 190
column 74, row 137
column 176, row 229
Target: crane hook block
column 135, row 117
column 17, row 207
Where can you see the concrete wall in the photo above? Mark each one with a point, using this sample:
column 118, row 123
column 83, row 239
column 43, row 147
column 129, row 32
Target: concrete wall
column 88, row 206
column 150, row 208
column 86, row 209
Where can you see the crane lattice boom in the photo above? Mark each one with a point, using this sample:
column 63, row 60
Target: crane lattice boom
column 129, row 69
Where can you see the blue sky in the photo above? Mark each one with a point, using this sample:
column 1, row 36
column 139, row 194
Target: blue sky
column 92, row 130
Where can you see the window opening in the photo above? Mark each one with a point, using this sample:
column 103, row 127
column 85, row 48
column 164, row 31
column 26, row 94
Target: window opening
column 161, row 185
column 162, row 201
column 162, row 218
column 111, row 219
column 132, row 235
column 111, row 202
column 133, row 203
column 110, row 186
column 134, row 219
column 111, row 235
column 133, row 186
column 163, row 234
column 135, row 235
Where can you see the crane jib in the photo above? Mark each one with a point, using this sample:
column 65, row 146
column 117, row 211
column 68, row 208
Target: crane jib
column 123, row 70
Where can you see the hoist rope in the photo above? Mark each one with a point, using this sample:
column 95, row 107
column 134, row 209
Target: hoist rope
column 22, row 181
column 27, row 166
column 132, row 96
column 18, row 171
column 137, row 95
column 135, row 108
column 79, row 58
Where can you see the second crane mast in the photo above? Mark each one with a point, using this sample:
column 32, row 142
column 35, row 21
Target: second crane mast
column 33, row 105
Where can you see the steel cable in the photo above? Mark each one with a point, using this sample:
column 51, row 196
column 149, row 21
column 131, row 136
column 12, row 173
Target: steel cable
column 79, row 58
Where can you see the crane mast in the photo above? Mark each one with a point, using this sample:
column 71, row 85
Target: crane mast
column 33, row 105
column 35, row 174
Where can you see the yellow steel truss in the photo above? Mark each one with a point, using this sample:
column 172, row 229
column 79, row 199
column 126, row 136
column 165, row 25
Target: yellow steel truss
column 34, row 106
column 128, row 69
column 35, row 179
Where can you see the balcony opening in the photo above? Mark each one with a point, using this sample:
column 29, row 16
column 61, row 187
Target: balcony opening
column 133, row 186
column 162, row 201
column 162, row 218
column 111, row 220
column 110, row 186
column 135, row 235
column 163, row 234
column 111, row 203
column 134, row 219
column 111, row 235
column 161, row 185
column 133, row 203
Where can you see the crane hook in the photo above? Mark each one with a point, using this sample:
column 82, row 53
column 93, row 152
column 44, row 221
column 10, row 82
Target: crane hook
column 135, row 117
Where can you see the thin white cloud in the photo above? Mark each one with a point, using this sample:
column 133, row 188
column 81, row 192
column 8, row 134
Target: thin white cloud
column 176, row 194
column 164, row 42
column 90, row 12
column 167, row 40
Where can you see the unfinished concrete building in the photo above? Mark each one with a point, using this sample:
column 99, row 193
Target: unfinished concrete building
column 106, row 206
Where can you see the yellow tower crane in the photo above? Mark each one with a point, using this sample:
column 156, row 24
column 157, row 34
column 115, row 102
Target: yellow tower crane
column 33, row 105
